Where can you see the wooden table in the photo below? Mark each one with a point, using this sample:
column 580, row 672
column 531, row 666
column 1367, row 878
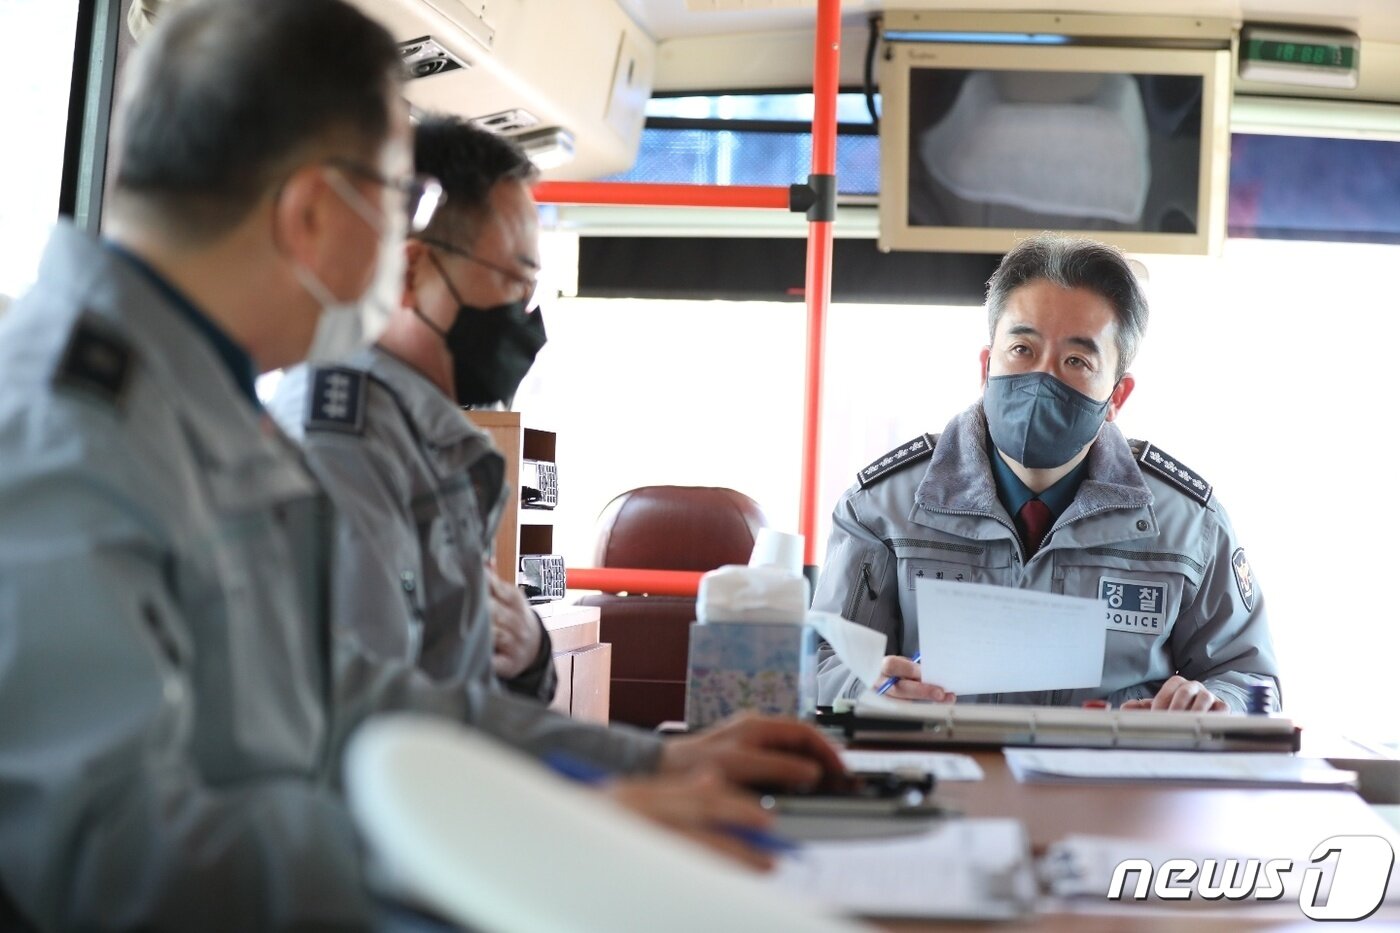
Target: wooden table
column 1234, row 822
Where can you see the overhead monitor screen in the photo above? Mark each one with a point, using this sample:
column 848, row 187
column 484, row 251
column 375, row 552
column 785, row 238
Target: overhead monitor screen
column 1057, row 150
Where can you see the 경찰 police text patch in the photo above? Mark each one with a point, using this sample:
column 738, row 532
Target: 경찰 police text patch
column 1135, row 606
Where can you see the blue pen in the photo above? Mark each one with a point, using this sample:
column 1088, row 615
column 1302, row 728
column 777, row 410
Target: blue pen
column 586, row 772
column 763, row 841
column 576, row 769
column 885, row 687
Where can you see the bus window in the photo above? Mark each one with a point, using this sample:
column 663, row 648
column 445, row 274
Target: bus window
column 36, row 61
column 1255, row 372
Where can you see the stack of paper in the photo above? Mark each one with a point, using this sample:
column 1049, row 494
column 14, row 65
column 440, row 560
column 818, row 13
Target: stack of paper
column 976, row 869
column 989, row 639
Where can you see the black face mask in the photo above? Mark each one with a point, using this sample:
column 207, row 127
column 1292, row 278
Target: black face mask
column 492, row 348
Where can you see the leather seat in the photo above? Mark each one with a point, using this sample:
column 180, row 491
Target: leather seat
column 695, row 528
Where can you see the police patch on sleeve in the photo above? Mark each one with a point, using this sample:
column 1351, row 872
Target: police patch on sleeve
column 96, row 361
column 1175, row 472
column 1244, row 579
column 920, row 448
column 336, row 401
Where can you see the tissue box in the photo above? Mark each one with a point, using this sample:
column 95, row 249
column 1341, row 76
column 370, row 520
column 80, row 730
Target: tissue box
column 768, row 668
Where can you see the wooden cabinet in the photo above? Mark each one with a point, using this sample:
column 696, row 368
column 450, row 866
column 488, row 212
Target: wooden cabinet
column 522, row 531
column 583, row 664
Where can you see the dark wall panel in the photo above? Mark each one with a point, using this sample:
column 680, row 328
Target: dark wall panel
column 755, row 269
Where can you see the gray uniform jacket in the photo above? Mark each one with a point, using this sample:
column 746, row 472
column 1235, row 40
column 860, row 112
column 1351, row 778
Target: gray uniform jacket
column 423, row 491
column 1143, row 533
column 174, row 698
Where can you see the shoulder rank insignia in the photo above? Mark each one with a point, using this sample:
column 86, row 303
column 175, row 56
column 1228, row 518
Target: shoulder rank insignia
column 911, row 452
column 1174, row 472
column 97, row 360
column 336, row 400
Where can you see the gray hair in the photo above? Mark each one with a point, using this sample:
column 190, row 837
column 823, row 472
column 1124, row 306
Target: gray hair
column 1074, row 262
column 223, row 98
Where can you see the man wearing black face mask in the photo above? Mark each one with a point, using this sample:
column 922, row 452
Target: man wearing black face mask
column 1034, row 487
column 468, row 330
column 421, row 489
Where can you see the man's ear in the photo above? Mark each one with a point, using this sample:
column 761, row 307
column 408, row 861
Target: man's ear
column 300, row 217
column 986, row 359
column 1121, row 391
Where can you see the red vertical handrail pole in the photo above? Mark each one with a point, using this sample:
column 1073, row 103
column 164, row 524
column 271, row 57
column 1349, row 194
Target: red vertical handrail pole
column 826, row 79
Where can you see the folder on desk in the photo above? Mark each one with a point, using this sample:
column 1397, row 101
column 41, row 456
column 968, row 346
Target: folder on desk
column 1216, row 769
column 891, row 721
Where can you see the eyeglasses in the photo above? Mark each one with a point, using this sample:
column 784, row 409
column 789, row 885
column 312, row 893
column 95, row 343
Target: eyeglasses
column 530, row 286
column 422, row 193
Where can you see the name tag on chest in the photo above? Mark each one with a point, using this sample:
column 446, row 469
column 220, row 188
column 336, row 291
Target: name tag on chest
column 1134, row 605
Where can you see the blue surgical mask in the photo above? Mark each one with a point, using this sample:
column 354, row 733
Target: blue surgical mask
column 1039, row 421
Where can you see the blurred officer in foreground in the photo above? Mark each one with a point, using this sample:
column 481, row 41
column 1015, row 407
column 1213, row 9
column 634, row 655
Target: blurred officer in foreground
column 175, row 692
column 1034, row 487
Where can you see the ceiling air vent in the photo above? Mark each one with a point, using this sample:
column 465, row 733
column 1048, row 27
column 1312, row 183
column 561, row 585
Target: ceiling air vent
column 423, row 58
column 507, row 121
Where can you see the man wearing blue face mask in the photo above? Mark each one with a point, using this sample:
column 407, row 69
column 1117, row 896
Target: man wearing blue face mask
column 1035, row 487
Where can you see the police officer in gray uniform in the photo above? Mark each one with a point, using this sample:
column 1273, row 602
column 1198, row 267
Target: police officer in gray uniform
column 175, row 695
column 1035, row 487
column 384, row 432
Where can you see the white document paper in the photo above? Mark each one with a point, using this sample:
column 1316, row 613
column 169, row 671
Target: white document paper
column 944, row 766
column 971, row 868
column 1261, row 769
column 977, row 638
column 861, row 649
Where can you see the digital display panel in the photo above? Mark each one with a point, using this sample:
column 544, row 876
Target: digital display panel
column 1092, row 151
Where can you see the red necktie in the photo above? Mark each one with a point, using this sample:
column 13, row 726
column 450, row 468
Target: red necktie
column 1033, row 521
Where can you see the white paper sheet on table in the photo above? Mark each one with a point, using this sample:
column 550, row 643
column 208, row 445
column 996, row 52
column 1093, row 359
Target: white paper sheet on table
column 1252, row 769
column 968, row 868
column 977, row 638
column 945, row 766
column 861, row 649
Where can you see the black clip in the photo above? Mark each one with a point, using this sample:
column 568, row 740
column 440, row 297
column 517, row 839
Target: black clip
column 816, row 198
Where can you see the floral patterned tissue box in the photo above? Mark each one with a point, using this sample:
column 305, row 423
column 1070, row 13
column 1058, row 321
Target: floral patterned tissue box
column 735, row 666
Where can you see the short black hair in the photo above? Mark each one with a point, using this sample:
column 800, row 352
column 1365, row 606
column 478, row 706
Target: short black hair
column 223, row 97
column 468, row 161
column 1074, row 262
